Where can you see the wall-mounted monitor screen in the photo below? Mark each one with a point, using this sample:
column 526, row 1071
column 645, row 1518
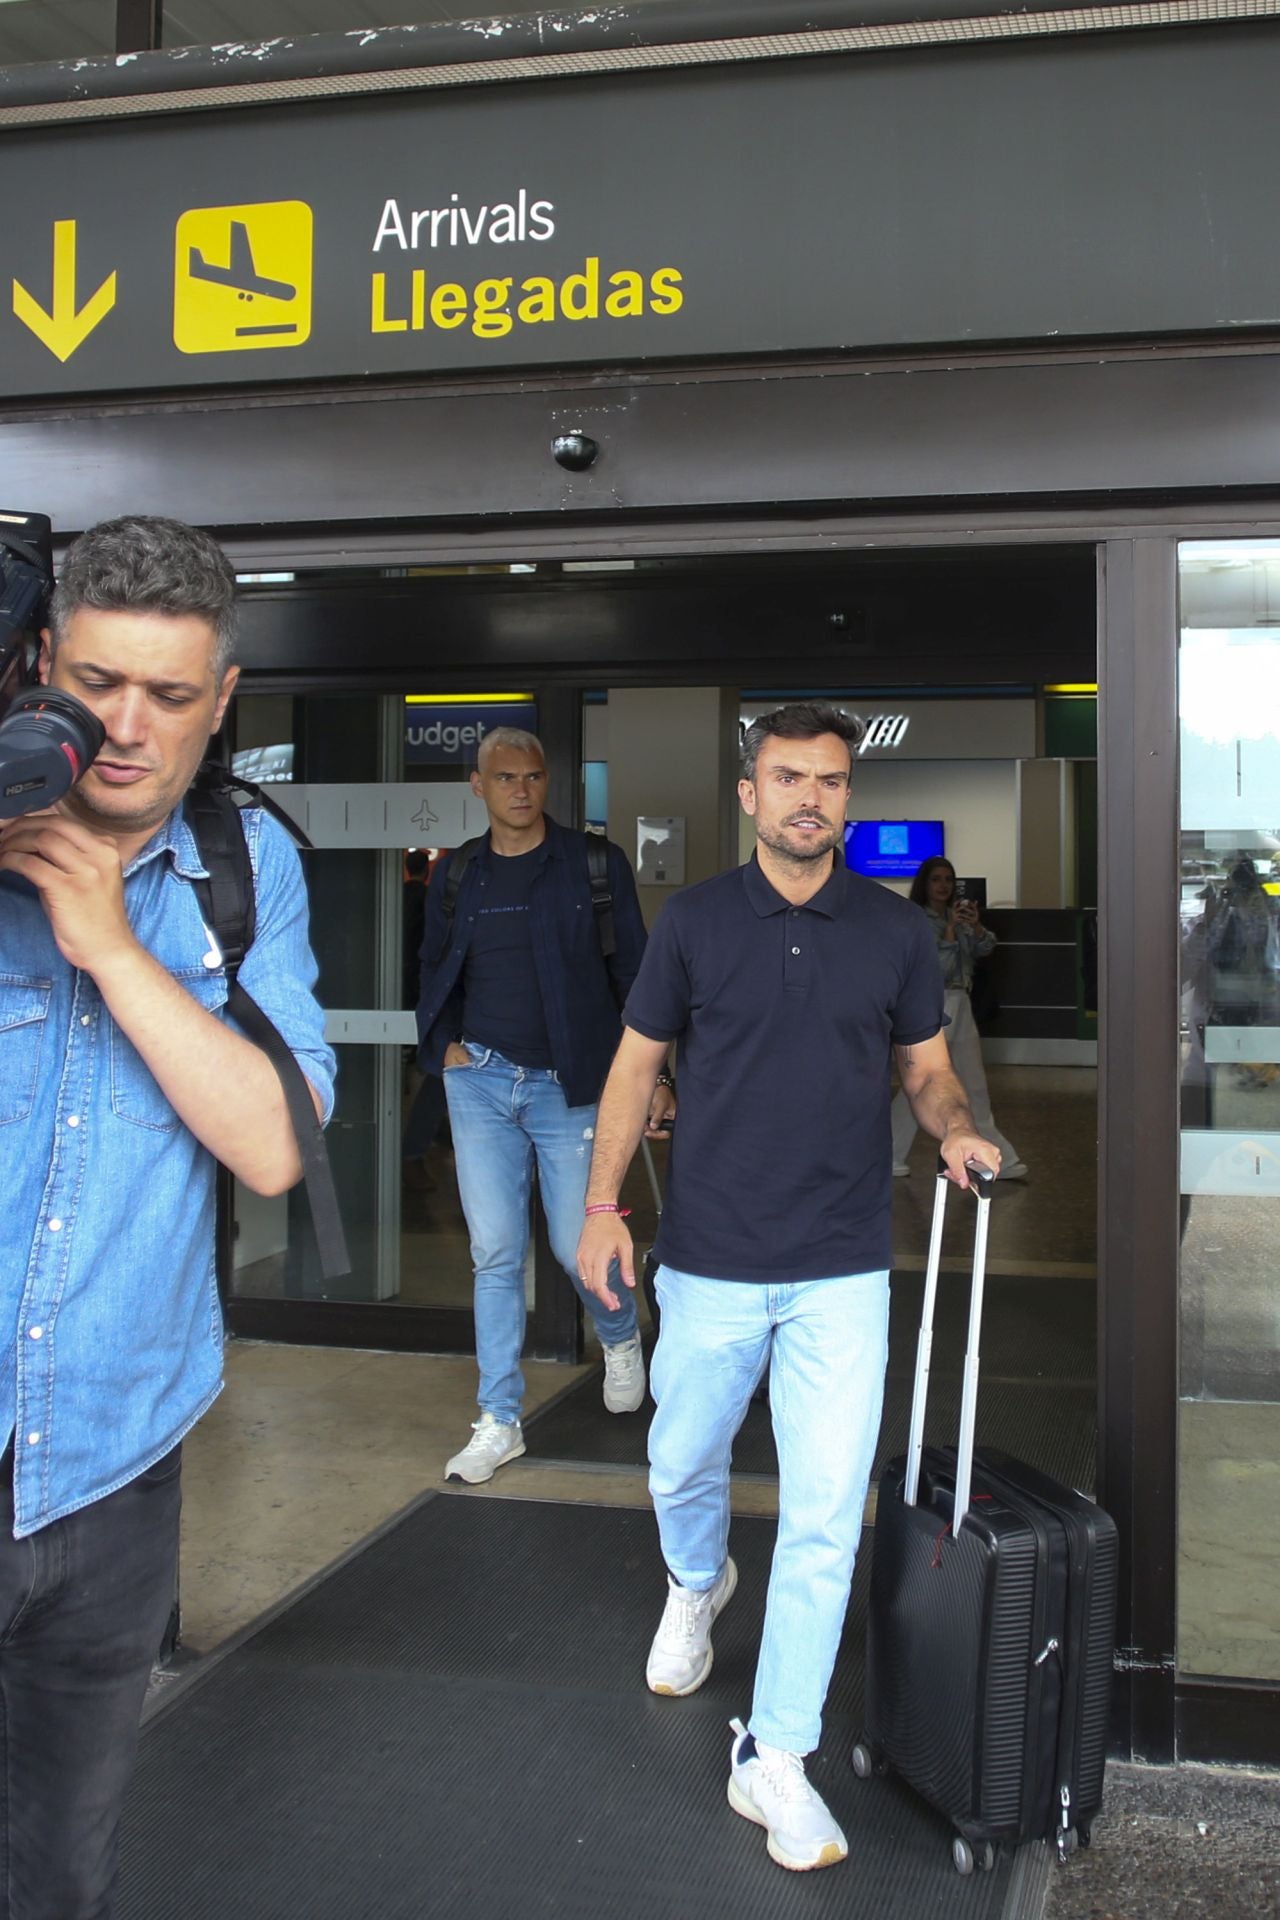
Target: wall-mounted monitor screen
column 891, row 849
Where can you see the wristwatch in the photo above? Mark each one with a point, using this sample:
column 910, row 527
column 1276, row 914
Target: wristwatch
column 666, row 1080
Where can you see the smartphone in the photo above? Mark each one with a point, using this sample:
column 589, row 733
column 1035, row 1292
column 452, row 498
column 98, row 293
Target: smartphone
column 973, row 890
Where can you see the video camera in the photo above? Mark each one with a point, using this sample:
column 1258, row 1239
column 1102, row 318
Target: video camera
column 47, row 738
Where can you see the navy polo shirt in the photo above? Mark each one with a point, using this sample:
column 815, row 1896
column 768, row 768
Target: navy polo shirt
column 781, row 1161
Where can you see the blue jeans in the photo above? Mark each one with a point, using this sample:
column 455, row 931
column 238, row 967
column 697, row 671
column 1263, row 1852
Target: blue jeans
column 83, row 1607
column 501, row 1116
column 825, row 1343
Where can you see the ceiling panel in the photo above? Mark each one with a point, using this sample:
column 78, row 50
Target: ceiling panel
column 55, row 30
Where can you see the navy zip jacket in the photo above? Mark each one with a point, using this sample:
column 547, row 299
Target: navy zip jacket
column 581, row 991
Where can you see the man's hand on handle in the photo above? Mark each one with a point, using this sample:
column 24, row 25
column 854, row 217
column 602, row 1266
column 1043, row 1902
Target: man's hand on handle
column 662, row 1113
column 959, row 1146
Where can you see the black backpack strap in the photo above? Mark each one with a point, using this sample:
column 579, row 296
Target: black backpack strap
column 601, row 893
column 459, row 860
column 228, row 903
column 227, row 898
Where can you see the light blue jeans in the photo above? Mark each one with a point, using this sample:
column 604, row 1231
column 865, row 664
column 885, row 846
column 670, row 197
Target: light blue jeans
column 825, row 1343
column 501, row 1116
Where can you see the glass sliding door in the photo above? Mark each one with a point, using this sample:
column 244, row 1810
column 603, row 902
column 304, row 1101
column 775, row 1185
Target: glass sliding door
column 1229, row 931
column 379, row 783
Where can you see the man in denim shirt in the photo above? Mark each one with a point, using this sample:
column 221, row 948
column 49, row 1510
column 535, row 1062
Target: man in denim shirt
column 121, row 1085
column 519, row 1011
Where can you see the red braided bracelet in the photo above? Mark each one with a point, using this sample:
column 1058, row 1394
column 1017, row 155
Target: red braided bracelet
column 609, row 1206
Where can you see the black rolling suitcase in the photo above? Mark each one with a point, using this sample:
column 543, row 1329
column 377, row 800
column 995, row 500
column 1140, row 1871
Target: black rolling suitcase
column 990, row 1640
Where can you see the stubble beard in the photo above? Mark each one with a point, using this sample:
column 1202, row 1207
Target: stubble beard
column 124, row 822
column 802, row 857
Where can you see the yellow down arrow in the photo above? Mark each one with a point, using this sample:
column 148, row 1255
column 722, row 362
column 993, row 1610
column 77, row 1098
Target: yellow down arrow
column 64, row 329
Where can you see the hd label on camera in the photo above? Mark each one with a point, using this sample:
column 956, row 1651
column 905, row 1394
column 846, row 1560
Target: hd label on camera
column 242, row 277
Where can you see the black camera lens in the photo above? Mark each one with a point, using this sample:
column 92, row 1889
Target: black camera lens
column 47, row 740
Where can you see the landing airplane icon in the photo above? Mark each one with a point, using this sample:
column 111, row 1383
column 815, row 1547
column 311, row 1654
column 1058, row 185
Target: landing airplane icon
column 243, row 277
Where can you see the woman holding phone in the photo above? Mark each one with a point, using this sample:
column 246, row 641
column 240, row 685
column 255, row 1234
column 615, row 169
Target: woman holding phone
column 962, row 940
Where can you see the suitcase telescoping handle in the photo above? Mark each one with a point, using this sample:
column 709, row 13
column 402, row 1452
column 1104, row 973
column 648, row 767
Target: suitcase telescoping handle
column 652, row 1172
column 982, row 1182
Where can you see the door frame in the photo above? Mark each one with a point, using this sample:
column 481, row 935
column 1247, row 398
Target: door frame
column 1156, row 1716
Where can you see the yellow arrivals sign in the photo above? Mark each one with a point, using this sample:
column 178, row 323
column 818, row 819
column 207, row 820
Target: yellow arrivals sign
column 242, row 277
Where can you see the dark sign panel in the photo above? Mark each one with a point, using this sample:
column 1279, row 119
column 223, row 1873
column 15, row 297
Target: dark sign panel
column 1077, row 188
column 442, row 733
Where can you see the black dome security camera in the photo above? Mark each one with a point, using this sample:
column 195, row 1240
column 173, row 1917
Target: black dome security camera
column 574, row 451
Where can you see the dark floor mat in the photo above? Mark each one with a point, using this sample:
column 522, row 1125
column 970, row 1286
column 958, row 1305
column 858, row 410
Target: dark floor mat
column 1036, row 1397
column 455, row 1723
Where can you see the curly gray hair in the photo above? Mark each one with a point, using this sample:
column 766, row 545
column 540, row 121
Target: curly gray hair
column 143, row 563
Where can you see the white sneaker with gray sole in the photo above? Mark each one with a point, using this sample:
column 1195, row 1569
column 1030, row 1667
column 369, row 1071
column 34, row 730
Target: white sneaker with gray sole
column 769, row 1786
column 624, row 1376
column 680, row 1657
column 492, row 1444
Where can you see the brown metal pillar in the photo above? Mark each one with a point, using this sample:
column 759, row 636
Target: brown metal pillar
column 1138, row 1112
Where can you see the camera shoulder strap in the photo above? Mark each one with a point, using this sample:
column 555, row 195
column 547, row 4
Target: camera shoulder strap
column 229, row 905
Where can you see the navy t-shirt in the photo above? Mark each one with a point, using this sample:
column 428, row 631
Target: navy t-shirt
column 781, row 1162
column 502, row 1004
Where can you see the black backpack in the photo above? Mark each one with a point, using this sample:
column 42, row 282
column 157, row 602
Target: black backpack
column 229, row 906
column 597, row 875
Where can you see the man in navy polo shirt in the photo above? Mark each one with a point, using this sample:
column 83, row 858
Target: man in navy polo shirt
column 519, row 1012
column 787, row 983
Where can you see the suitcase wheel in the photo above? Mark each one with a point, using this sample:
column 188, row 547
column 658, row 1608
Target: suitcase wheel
column 865, row 1760
column 965, row 1855
column 1067, row 1843
column 1085, row 1833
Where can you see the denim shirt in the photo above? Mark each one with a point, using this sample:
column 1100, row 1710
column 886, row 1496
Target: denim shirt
column 581, row 993
column 956, row 957
column 110, row 1324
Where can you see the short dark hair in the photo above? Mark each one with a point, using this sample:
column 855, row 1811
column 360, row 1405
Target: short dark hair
column 142, row 563
column 801, row 720
column 920, row 879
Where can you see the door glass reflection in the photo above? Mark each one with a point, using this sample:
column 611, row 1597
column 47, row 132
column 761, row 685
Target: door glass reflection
column 1229, row 936
column 381, row 787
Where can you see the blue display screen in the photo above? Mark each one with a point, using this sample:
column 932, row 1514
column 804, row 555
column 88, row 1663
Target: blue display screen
column 891, row 849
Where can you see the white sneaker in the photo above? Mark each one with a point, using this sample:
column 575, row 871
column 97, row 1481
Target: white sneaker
column 769, row 1785
column 680, row 1657
column 1016, row 1170
column 900, row 1171
column 624, row 1376
column 492, row 1444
